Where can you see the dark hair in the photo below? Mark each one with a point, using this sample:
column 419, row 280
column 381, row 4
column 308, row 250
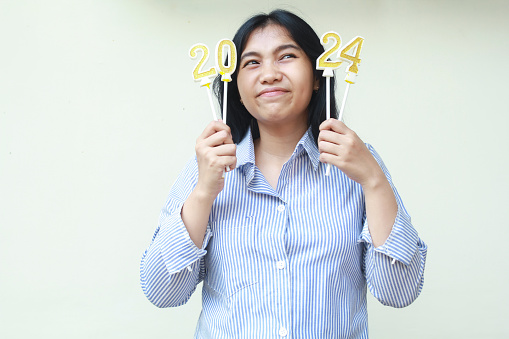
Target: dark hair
column 239, row 119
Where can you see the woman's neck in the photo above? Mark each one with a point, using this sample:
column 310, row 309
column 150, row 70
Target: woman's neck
column 274, row 147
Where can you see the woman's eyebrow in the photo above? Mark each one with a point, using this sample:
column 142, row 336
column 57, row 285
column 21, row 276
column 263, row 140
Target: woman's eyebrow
column 249, row 54
column 277, row 50
column 287, row 46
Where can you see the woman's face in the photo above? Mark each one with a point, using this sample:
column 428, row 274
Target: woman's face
column 275, row 78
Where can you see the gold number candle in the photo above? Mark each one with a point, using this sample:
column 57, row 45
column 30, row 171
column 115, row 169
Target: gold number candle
column 204, row 77
column 224, row 70
column 328, row 66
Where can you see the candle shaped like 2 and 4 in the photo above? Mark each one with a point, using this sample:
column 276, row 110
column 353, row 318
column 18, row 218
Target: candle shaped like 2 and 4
column 204, row 77
column 226, row 70
column 328, row 66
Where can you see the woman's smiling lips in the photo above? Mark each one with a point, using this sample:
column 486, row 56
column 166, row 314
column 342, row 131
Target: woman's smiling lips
column 271, row 92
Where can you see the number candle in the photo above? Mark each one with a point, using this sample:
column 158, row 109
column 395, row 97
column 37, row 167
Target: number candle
column 226, row 71
column 328, row 67
column 204, row 77
column 354, row 66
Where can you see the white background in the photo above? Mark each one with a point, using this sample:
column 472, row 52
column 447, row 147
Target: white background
column 99, row 113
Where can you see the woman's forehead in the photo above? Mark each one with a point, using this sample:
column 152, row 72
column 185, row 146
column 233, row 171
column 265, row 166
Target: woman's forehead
column 271, row 34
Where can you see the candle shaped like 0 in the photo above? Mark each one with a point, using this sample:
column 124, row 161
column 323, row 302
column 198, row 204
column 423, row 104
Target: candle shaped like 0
column 328, row 66
column 226, row 70
column 356, row 44
column 204, row 77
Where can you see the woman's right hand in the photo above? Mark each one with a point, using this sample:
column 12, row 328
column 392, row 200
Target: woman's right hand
column 215, row 151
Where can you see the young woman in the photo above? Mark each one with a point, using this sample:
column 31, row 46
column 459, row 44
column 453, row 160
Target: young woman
column 282, row 249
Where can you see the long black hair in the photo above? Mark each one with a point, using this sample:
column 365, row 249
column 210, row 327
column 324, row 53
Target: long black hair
column 239, row 119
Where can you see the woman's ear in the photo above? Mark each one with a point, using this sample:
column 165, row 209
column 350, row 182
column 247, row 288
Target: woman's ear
column 316, row 86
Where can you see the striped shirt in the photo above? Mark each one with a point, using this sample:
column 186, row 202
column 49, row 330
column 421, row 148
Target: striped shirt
column 290, row 262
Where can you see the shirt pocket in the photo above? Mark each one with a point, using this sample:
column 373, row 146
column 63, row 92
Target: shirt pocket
column 232, row 261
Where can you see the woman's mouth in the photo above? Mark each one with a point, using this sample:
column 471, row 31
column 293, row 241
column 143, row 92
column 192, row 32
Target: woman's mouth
column 272, row 92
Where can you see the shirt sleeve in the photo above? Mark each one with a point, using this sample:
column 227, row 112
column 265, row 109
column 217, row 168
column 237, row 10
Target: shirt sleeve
column 173, row 265
column 395, row 270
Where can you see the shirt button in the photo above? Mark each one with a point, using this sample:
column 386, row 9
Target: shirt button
column 283, row 332
column 281, row 208
column 280, row 264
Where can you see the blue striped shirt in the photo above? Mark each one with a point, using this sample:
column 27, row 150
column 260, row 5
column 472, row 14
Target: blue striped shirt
column 290, row 262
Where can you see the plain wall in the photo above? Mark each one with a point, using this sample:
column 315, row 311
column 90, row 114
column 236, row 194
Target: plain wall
column 99, row 113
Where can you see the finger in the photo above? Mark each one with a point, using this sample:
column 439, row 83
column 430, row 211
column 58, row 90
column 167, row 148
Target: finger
column 229, row 162
column 332, row 137
column 214, row 156
column 328, row 158
column 327, row 124
column 222, row 162
column 214, row 127
column 334, row 125
column 330, row 148
column 225, row 150
column 233, row 165
column 224, row 126
column 218, row 138
column 329, row 136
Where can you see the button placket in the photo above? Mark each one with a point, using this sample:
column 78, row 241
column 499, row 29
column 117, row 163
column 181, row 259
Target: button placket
column 282, row 276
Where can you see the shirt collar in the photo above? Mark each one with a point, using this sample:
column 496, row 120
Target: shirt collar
column 246, row 156
column 245, row 150
column 307, row 143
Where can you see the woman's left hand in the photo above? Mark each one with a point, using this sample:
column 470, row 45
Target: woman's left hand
column 341, row 147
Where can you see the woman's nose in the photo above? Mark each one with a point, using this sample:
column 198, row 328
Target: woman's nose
column 270, row 73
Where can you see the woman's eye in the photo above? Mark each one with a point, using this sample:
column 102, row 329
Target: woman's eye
column 250, row 62
column 288, row 56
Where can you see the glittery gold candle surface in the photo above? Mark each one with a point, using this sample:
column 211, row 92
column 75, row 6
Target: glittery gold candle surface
column 197, row 74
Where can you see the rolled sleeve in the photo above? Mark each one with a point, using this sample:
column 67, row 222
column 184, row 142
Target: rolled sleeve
column 395, row 270
column 173, row 265
column 401, row 244
column 177, row 249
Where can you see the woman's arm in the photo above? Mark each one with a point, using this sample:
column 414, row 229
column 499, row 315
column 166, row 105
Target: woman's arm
column 395, row 256
column 395, row 270
column 341, row 147
column 165, row 279
column 215, row 151
column 173, row 264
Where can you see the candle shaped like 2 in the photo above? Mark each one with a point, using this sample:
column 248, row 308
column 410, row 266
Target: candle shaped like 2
column 204, row 77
